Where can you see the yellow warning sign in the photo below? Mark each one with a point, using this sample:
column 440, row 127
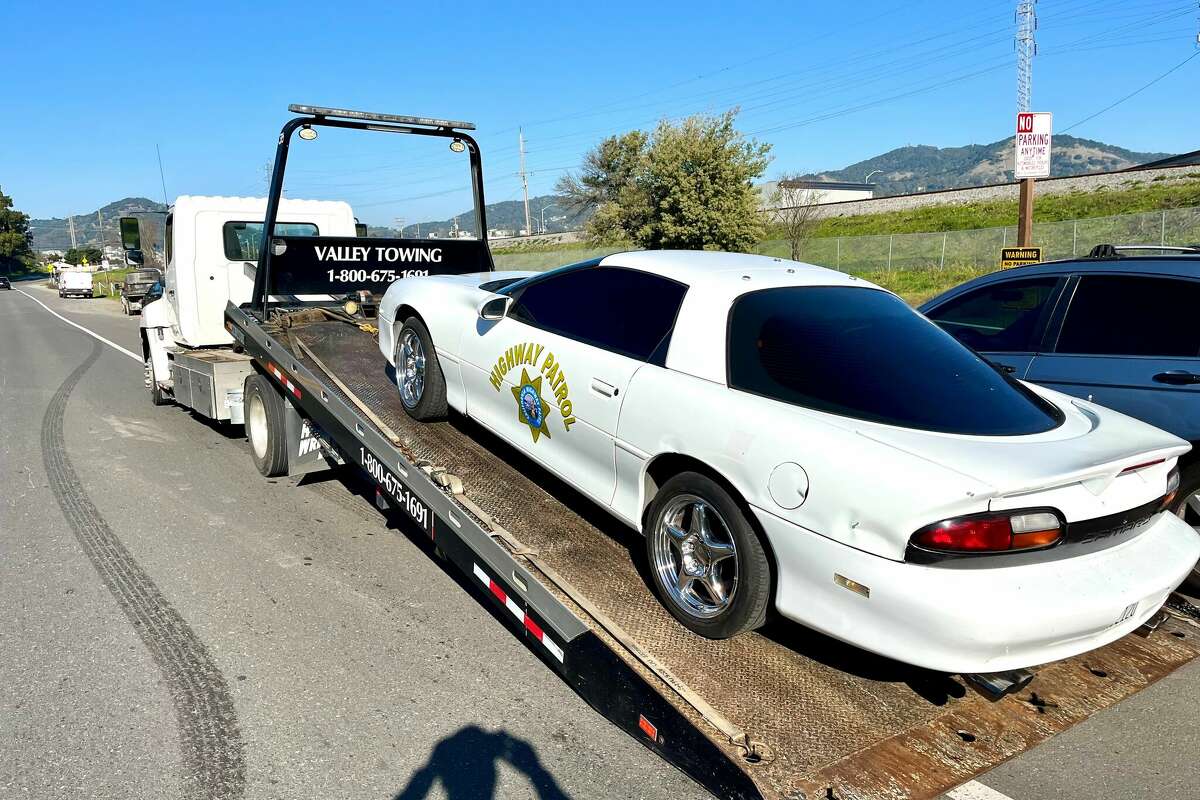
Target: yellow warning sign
column 1019, row 256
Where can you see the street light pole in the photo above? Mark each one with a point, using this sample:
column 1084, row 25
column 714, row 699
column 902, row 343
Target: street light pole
column 542, row 215
column 869, row 174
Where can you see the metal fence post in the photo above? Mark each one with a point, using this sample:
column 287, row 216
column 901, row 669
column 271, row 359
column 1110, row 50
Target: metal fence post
column 891, row 236
column 1162, row 237
column 839, row 253
column 942, row 263
column 1074, row 237
column 1004, row 242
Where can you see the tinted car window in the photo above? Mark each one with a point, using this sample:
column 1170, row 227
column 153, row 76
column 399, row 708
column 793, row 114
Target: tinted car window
column 1131, row 315
column 621, row 310
column 863, row 353
column 1001, row 317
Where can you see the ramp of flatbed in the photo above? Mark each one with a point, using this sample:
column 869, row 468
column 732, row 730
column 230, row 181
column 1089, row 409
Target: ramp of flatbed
column 832, row 720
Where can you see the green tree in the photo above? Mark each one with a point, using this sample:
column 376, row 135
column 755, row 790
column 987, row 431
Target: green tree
column 686, row 186
column 76, row 255
column 16, row 242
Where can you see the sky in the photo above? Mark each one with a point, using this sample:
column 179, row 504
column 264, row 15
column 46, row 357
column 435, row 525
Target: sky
column 94, row 87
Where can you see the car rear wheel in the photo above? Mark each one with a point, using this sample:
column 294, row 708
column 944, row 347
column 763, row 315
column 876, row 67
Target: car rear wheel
column 1187, row 507
column 418, row 374
column 265, row 426
column 707, row 564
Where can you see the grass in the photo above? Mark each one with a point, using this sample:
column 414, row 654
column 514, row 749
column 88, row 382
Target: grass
column 918, row 285
column 997, row 213
column 110, row 276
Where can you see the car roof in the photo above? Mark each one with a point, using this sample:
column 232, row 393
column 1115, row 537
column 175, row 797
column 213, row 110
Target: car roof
column 1181, row 266
column 729, row 274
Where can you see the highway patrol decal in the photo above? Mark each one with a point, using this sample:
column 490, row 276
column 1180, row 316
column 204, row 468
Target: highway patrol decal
column 532, row 409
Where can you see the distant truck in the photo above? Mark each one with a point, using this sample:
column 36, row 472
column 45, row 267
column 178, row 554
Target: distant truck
column 75, row 283
column 135, row 287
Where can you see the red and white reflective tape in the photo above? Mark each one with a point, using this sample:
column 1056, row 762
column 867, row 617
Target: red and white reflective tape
column 278, row 373
column 519, row 613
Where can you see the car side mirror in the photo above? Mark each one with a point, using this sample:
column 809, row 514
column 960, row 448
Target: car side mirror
column 495, row 308
column 134, row 258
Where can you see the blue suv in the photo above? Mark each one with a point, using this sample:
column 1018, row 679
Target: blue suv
column 1118, row 329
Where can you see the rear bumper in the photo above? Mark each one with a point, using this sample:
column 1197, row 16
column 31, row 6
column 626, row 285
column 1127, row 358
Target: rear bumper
column 979, row 619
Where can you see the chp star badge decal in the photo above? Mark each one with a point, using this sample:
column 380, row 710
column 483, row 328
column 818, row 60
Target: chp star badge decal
column 531, row 408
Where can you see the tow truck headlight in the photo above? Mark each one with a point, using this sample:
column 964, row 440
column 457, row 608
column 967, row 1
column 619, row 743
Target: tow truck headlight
column 991, row 533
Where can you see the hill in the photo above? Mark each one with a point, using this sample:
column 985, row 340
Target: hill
column 509, row 216
column 919, row 168
column 55, row 234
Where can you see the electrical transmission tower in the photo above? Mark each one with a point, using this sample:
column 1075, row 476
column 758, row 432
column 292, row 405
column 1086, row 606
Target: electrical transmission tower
column 1026, row 50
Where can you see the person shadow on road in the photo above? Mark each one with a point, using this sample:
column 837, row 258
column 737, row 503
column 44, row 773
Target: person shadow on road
column 466, row 765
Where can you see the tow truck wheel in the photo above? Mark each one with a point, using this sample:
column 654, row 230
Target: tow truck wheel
column 418, row 374
column 156, row 393
column 265, row 426
column 707, row 563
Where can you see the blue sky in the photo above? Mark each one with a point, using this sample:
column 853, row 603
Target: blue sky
column 93, row 87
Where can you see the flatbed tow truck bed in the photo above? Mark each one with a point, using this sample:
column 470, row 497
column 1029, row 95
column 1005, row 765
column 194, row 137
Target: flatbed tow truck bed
column 779, row 713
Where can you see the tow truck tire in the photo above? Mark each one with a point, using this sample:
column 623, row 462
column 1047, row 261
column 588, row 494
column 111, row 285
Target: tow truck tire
column 265, row 428
column 1187, row 506
column 156, row 393
column 695, row 528
column 419, row 377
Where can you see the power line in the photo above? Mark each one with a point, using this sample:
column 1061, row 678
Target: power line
column 1134, row 93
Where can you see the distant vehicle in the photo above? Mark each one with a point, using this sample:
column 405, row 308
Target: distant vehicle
column 1118, row 328
column 75, row 283
column 4, row 283
column 768, row 425
column 134, row 290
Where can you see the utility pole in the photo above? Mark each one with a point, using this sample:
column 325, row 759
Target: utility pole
column 400, row 225
column 524, row 180
column 1026, row 49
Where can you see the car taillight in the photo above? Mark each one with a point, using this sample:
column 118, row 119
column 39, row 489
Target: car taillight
column 991, row 533
column 1172, row 487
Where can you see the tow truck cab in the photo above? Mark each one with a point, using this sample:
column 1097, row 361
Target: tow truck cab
column 212, row 248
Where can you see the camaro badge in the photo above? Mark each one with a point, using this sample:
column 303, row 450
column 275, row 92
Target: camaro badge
column 531, row 408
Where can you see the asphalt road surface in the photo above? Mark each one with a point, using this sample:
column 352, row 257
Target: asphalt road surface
column 177, row 626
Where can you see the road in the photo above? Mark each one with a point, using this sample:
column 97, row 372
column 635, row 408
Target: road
column 179, row 627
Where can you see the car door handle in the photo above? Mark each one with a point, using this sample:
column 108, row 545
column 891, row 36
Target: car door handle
column 1177, row 377
column 604, row 388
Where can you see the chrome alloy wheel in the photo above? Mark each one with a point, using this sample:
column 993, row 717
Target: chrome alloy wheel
column 695, row 557
column 256, row 425
column 410, row 368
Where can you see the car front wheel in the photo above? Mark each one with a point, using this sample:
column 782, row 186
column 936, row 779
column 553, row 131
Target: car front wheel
column 707, row 563
column 418, row 374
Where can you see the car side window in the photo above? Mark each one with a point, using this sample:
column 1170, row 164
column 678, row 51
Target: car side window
column 1000, row 317
column 621, row 310
column 1132, row 315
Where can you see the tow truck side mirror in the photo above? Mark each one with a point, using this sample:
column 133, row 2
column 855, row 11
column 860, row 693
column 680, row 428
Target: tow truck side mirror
column 495, row 308
column 131, row 235
column 134, row 258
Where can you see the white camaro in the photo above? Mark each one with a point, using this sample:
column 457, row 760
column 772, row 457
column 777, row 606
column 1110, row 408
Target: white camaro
column 788, row 435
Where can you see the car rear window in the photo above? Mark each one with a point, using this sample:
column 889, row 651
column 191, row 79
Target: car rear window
column 863, row 353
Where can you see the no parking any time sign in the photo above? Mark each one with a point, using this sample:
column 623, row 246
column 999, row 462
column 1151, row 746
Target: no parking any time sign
column 1033, row 145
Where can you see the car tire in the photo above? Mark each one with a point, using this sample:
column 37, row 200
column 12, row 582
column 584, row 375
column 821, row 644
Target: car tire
column 1187, row 506
column 265, row 427
column 419, row 377
column 724, row 554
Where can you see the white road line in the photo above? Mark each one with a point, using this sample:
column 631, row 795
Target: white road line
column 974, row 790
column 93, row 334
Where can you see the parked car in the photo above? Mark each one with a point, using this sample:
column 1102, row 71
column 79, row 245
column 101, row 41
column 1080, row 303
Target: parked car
column 75, row 283
column 1118, row 329
column 786, row 435
column 133, row 290
column 4, row 282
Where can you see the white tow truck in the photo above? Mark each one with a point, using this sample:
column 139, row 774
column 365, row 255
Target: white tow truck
column 283, row 335
column 212, row 248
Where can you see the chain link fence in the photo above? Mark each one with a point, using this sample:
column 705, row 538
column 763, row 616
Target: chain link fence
column 979, row 249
